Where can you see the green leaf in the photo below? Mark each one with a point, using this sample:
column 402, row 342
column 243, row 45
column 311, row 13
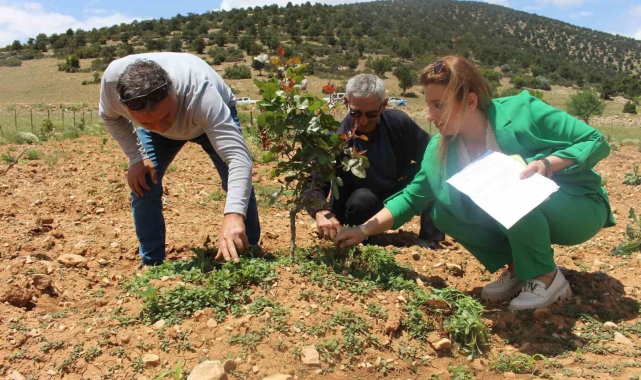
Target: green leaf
column 298, row 78
column 335, row 192
column 315, row 105
column 259, row 83
column 625, row 249
column 303, row 105
column 633, row 233
column 632, row 215
column 299, row 69
column 339, row 181
column 261, row 120
column 358, row 171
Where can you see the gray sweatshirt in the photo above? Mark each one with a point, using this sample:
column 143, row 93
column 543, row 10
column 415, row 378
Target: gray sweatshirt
column 204, row 100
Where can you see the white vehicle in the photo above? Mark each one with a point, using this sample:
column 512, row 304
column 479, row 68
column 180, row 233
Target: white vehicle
column 245, row 101
column 335, row 98
column 396, row 102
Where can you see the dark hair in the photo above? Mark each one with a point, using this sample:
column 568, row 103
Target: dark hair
column 140, row 78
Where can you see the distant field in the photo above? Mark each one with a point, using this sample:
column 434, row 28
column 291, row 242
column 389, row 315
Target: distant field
column 38, row 86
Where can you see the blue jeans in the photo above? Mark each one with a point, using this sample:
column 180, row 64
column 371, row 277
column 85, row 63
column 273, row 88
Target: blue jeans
column 147, row 211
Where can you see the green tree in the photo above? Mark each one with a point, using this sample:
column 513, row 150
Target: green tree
column 381, row 65
column 259, row 65
column 198, row 45
column 585, row 104
column 176, row 44
column 406, row 77
column 16, row 46
column 301, row 132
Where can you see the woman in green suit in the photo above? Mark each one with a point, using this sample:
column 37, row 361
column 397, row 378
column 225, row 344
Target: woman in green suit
column 551, row 142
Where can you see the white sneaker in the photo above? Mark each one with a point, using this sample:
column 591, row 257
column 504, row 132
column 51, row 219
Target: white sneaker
column 503, row 289
column 534, row 295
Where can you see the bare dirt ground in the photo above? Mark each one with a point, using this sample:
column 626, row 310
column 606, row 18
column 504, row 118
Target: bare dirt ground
column 74, row 320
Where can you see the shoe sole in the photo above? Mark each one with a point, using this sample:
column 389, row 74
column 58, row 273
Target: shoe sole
column 564, row 294
column 501, row 298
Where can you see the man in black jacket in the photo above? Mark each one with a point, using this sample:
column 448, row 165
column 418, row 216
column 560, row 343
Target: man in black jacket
column 394, row 145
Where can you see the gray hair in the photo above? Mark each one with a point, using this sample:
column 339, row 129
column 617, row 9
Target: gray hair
column 364, row 86
column 140, row 78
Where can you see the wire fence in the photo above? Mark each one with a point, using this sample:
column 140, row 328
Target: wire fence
column 26, row 119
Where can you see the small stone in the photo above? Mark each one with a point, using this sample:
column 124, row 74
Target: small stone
column 622, row 339
column 442, row 344
column 71, row 260
column 114, row 244
column 80, row 247
column 41, row 281
column 150, row 360
column 509, row 375
column 392, row 325
column 15, row 375
column 211, row 323
column 310, row 356
column 255, row 369
column 100, row 211
column 454, row 268
column 598, row 262
column 542, row 313
column 159, row 325
column 438, row 265
column 339, row 298
column 51, row 372
column 401, row 299
column 279, row 376
column 416, row 256
column 28, row 260
column 609, row 325
column 102, row 261
column 369, row 367
column 208, row 370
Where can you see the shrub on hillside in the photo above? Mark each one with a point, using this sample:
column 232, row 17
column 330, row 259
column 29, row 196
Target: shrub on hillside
column 630, row 107
column 26, row 138
column 237, row 72
column 11, row 62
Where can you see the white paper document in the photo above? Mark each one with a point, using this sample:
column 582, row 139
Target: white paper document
column 493, row 183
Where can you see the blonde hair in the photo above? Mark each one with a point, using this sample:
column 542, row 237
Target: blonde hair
column 461, row 77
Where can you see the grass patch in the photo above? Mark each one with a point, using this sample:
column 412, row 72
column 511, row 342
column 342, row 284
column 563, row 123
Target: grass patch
column 32, row 154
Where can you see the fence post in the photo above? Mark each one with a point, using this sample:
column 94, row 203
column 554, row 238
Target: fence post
column 15, row 118
column 251, row 119
column 31, row 121
column 74, row 118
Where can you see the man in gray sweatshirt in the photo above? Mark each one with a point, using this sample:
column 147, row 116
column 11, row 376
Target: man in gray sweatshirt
column 175, row 98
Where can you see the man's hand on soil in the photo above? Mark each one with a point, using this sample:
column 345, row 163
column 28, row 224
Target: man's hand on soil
column 232, row 239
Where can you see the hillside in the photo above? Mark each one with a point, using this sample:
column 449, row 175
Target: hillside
column 342, row 38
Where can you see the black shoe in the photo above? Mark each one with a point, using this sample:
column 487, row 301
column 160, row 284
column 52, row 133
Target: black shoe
column 149, row 264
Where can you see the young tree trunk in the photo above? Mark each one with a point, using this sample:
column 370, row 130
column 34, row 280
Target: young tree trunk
column 292, row 230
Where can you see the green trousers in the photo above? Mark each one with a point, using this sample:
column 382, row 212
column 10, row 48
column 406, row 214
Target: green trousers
column 564, row 219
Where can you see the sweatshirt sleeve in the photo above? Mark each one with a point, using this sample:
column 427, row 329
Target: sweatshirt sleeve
column 228, row 142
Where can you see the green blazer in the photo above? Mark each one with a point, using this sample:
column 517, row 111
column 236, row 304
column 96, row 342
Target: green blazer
column 523, row 125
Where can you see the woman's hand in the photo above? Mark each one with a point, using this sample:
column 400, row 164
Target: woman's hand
column 536, row 166
column 348, row 237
